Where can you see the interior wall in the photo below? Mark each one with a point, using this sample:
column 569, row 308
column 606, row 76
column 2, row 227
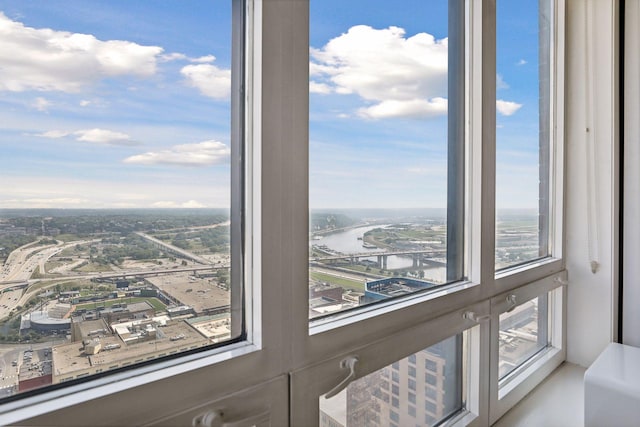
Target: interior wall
column 591, row 168
column 631, row 242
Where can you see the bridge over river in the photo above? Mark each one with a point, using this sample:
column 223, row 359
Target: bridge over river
column 419, row 256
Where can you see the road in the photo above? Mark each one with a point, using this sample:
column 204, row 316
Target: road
column 23, row 261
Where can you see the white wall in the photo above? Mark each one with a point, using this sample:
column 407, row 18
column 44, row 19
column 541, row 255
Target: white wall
column 591, row 298
column 631, row 268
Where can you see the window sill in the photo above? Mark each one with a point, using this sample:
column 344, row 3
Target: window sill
column 42, row 403
column 558, row 400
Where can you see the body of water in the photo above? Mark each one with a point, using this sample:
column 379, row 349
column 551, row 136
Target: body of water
column 347, row 242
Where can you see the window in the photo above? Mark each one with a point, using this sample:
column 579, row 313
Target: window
column 406, row 163
column 523, row 333
column 362, row 401
column 111, row 256
column 528, row 340
column 523, row 134
column 379, row 153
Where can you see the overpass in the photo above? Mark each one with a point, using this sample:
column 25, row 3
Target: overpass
column 158, row 272
column 174, row 250
column 417, row 255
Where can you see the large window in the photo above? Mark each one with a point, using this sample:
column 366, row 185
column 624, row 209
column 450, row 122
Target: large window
column 115, row 210
column 304, row 192
column 523, row 106
column 378, row 142
column 393, row 396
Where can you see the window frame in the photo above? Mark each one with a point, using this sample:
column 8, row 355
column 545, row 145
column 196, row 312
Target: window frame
column 280, row 340
column 93, row 400
column 310, row 383
column 515, row 276
column 506, row 392
column 338, row 335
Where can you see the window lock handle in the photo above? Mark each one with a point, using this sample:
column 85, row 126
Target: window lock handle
column 512, row 302
column 346, row 363
column 215, row 418
column 473, row 316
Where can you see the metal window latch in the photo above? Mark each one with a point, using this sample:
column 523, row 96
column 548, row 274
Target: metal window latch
column 473, row 316
column 215, row 418
column 562, row 281
column 512, row 302
column 346, row 363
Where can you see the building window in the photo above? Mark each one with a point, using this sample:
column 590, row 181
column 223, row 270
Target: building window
column 128, row 261
column 524, row 331
column 523, row 133
column 363, row 401
column 406, row 240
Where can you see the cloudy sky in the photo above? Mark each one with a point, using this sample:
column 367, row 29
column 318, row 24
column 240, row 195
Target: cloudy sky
column 126, row 104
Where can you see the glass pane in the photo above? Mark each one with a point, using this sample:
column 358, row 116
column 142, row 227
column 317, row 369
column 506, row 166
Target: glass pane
column 114, row 205
column 522, row 130
column 392, row 395
column 379, row 117
column 524, row 332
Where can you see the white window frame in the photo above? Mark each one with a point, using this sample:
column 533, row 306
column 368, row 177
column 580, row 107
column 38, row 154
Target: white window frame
column 510, row 278
column 309, row 384
column 280, row 341
column 314, row 356
column 506, row 392
column 137, row 396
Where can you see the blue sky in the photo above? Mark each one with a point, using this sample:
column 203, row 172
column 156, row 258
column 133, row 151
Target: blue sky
column 378, row 139
column 108, row 104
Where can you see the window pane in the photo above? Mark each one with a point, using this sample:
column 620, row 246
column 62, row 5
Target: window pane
column 364, row 402
column 524, row 332
column 522, row 130
column 115, row 197
column 380, row 103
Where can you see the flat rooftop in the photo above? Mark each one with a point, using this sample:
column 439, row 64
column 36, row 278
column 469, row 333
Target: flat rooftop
column 92, row 328
column 396, row 286
column 172, row 338
column 201, row 294
column 217, row 328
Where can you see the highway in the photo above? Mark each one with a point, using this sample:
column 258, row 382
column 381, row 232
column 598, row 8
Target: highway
column 22, row 262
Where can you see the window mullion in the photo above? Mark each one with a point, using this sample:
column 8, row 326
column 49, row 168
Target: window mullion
column 482, row 124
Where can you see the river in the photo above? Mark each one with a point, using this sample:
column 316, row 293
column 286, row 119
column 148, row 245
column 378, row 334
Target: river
column 347, row 242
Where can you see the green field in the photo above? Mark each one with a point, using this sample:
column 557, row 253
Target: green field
column 340, row 281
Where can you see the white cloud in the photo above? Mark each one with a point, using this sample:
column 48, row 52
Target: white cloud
column 35, row 203
column 204, row 59
column 103, row 136
column 33, row 191
column 41, row 104
column 406, row 108
column 85, row 103
column 98, row 136
column 170, row 204
column 49, row 60
column 210, row 80
column 521, row 62
column 401, row 76
column 315, row 87
column 168, row 57
column 54, row 134
column 205, row 153
column 500, row 83
column 507, row 108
